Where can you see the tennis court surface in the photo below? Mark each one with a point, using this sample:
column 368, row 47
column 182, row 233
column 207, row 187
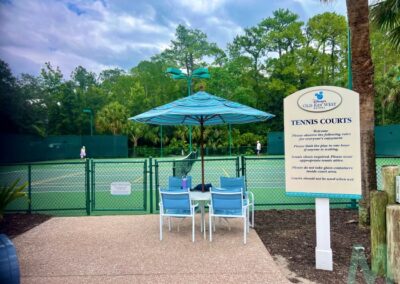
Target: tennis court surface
column 127, row 249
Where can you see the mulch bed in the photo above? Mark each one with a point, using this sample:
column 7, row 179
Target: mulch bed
column 291, row 234
column 16, row 224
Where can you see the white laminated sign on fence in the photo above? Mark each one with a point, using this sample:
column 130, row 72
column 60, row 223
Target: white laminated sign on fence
column 322, row 153
column 121, row 188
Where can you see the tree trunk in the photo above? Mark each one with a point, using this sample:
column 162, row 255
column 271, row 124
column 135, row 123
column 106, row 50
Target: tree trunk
column 393, row 242
column 333, row 63
column 379, row 201
column 363, row 73
column 389, row 174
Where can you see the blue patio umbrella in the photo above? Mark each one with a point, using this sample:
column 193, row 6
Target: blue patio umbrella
column 202, row 109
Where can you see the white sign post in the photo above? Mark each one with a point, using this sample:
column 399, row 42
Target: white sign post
column 322, row 153
column 323, row 251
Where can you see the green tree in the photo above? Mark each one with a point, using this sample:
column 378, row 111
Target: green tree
column 388, row 97
column 112, row 118
column 283, row 31
column 52, row 84
column 189, row 48
column 251, row 44
column 386, row 15
column 33, row 118
column 9, row 105
column 82, row 78
column 328, row 33
column 157, row 87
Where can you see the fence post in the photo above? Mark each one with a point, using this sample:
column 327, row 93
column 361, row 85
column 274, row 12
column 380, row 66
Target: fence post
column 145, row 185
column 243, row 165
column 237, row 166
column 151, row 183
column 30, row 188
column 92, row 180
column 157, row 183
column 87, row 180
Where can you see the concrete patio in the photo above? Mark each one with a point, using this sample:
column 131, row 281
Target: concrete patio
column 127, row 249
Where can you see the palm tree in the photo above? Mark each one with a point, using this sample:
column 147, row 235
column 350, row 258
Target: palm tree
column 386, row 14
column 388, row 92
column 112, row 118
column 363, row 78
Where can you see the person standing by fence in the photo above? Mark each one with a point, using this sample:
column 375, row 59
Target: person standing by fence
column 258, row 148
column 83, row 152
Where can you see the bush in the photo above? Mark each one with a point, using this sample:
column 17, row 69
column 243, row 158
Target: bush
column 9, row 193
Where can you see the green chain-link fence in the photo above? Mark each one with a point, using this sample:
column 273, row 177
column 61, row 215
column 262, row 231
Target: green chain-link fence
column 266, row 179
column 83, row 187
column 105, row 173
column 52, row 187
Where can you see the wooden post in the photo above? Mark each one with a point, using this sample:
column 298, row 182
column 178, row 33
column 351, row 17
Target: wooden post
column 393, row 242
column 379, row 201
column 389, row 174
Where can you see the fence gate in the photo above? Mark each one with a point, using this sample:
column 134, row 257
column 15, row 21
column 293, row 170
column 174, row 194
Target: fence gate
column 214, row 169
column 118, row 185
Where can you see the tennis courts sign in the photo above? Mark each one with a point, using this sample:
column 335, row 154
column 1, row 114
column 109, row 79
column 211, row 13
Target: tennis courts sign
column 322, row 143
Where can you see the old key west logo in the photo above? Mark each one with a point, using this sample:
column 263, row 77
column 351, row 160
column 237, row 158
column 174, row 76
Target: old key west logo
column 319, row 100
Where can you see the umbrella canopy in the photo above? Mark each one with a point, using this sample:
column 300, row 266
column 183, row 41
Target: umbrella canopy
column 202, row 109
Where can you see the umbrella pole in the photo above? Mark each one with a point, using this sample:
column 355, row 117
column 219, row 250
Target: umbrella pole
column 202, row 154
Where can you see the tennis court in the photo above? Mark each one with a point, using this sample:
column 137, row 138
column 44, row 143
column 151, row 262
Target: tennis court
column 83, row 187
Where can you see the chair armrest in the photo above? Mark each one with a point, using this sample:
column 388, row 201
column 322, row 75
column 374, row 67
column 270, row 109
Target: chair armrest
column 250, row 196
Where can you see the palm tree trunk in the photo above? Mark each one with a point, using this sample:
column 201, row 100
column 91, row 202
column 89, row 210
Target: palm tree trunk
column 363, row 73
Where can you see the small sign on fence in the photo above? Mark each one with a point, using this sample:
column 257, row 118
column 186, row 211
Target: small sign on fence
column 121, row 188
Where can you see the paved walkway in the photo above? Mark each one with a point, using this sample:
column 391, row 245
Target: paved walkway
column 127, row 249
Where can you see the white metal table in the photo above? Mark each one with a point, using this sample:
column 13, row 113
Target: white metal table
column 202, row 197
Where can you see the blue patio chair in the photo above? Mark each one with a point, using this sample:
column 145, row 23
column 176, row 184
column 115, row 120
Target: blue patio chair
column 229, row 183
column 175, row 183
column 228, row 204
column 176, row 204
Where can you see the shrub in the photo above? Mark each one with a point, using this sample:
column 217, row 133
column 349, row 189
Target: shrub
column 9, row 193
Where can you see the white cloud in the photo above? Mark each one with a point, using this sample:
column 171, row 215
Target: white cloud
column 101, row 33
column 48, row 31
column 201, row 6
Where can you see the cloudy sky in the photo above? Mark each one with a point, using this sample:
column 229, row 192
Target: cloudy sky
column 101, row 34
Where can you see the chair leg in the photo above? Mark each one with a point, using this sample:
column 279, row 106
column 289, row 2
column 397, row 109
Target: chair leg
column 210, row 225
column 244, row 229
column 169, row 224
column 193, row 228
column 161, row 225
column 252, row 215
column 227, row 222
column 204, row 227
column 248, row 219
column 180, row 221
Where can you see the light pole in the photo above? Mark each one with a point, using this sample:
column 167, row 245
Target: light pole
column 90, row 112
column 200, row 73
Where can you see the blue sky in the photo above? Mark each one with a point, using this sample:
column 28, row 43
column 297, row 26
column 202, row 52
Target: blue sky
column 101, row 34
